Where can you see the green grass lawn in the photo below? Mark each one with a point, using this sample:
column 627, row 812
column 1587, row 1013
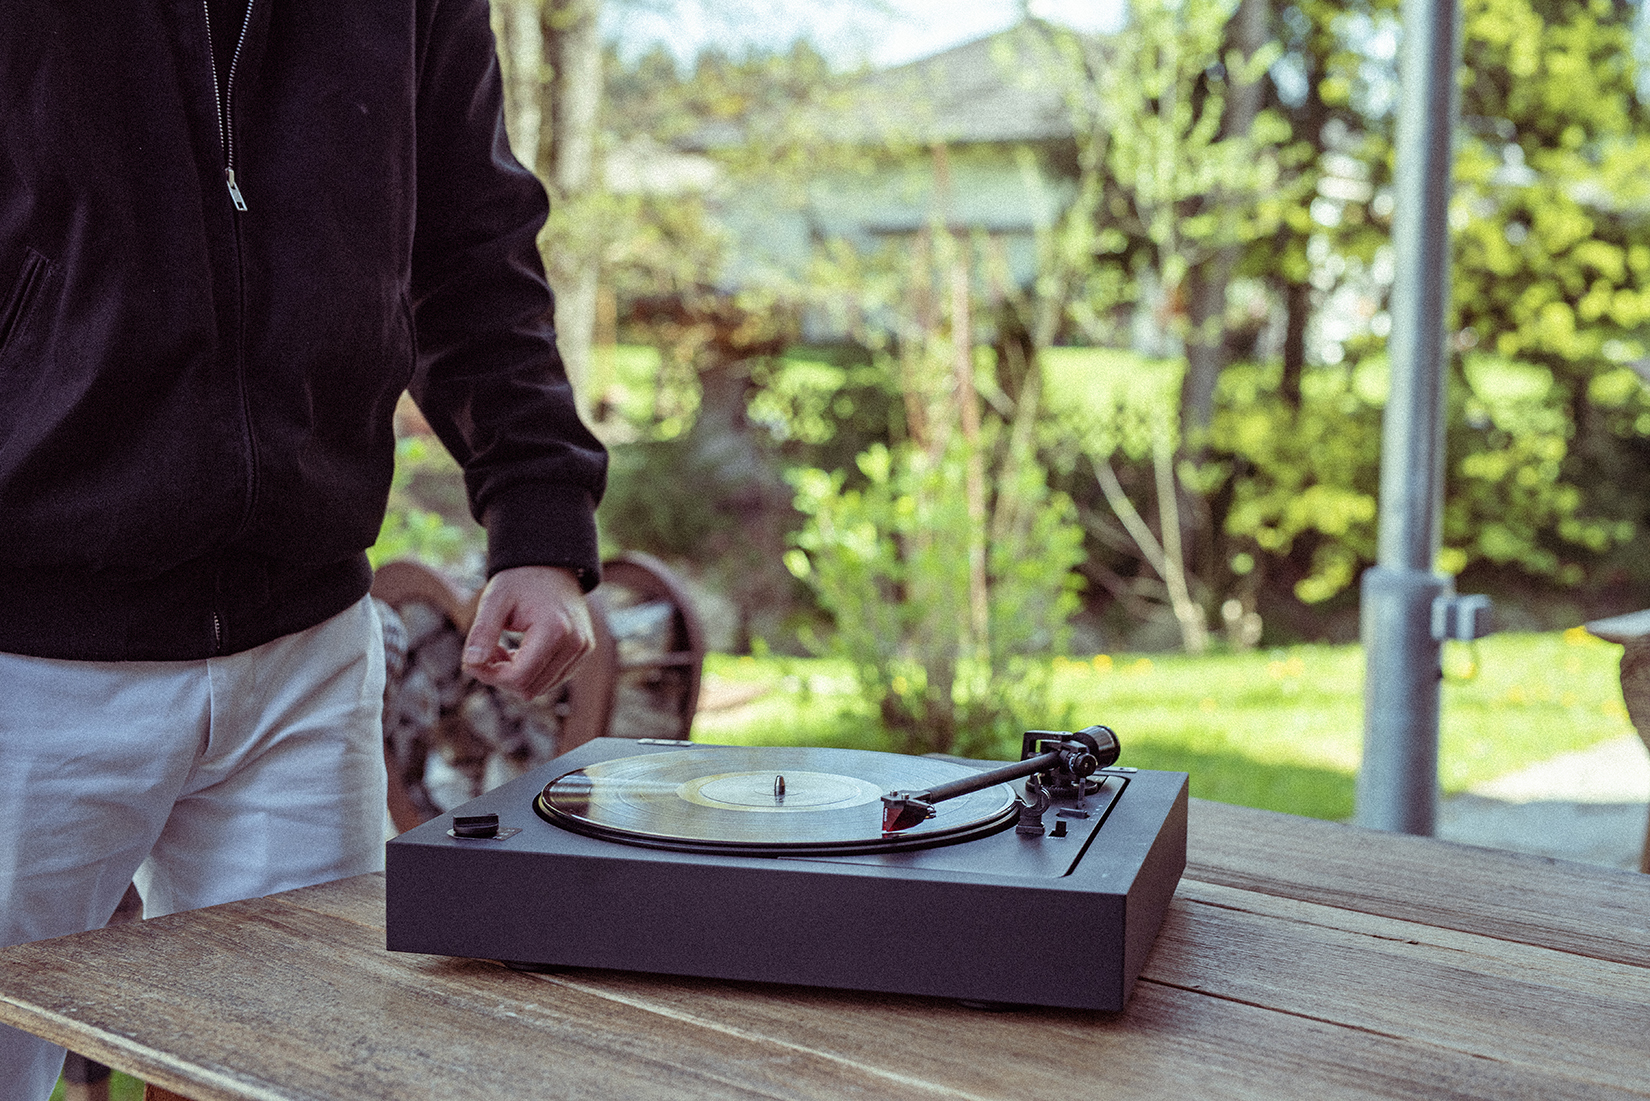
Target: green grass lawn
column 1279, row 729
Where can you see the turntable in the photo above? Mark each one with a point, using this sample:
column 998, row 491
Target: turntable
column 1041, row 882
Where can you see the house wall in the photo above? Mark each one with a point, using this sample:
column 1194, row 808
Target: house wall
column 1008, row 192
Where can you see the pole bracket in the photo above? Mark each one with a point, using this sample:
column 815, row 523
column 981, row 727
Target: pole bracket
column 1460, row 618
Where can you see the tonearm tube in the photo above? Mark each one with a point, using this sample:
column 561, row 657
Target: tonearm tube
column 1054, row 758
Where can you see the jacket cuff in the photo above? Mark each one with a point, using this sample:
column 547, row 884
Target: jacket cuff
column 543, row 524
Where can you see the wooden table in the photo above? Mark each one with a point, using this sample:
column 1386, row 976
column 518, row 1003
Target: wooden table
column 1301, row 959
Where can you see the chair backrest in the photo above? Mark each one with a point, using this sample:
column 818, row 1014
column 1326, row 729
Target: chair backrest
column 447, row 738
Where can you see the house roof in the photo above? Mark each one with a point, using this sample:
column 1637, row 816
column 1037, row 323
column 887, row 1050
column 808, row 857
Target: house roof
column 993, row 89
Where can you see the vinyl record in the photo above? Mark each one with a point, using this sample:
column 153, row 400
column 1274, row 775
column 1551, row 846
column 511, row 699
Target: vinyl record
column 762, row 800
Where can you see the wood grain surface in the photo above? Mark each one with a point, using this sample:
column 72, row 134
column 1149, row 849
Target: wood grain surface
column 1588, row 910
column 1298, row 984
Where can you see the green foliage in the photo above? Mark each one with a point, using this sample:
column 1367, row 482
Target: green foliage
column 1169, row 193
column 1192, row 187
column 1511, row 504
column 1110, row 399
column 652, row 96
column 821, row 407
column 1336, row 84
column 1299, row 482
column 1161, row 186
column 887, row 561
column 647, row 395
column 412, row 528
column 1548, row 427
column 1551, row 204
column 1552, row 288
column 663, row 498
column 1309, row 474
column 802, row 400
column 772, row 123
column 685, row 488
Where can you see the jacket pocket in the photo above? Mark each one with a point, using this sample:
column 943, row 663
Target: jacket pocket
column 14, row 314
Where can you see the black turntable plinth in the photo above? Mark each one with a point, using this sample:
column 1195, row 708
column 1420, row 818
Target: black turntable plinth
column 825, row 867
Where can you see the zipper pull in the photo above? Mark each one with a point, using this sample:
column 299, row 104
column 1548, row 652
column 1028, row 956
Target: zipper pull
column 234, row 192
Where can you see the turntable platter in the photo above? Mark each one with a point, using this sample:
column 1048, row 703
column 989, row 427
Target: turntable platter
column 761, row 800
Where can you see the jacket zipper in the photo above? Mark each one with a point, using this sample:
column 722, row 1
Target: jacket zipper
column 224, row 97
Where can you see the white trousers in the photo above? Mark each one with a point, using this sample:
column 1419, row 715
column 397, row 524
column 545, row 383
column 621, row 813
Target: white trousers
column 205, row 781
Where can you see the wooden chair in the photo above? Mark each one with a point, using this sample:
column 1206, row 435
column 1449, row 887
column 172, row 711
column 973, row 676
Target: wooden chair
column 658, row 652
column 1632, row 633
column 641, row 680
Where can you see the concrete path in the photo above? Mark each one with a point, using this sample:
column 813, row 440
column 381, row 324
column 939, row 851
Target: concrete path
column 1589, row 806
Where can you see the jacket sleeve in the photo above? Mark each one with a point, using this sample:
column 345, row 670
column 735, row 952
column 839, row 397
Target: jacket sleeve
column 489, row 379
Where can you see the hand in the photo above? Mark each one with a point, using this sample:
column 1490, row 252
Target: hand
column 546, row 605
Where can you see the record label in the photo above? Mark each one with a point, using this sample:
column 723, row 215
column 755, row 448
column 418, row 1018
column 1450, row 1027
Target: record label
column 769, row 791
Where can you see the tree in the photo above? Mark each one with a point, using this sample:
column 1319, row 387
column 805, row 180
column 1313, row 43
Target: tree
column 947, row 563
column 1552, row 291
column 1546, row 420
column 1333, row 83
column 1242, row 69
column 551, row 56
column 1176, row 159
column 705, row 484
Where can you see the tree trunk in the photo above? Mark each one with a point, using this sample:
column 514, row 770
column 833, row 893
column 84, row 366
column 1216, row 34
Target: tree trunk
column 1205, row 296
column 521, row 54
column 1298, row 311
column 1205, row 348
column 566, row 162
column 552, row 61
column 1207, row 282
column 1309, row 122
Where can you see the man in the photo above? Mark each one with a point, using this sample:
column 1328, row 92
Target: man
column 231, row 234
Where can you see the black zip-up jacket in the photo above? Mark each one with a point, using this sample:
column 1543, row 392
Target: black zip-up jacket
column 215, row 285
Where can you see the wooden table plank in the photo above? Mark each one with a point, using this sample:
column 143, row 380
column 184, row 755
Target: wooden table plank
column 1562, row 972
column 294, row 998
column 1170, row 1042
column 1575, row 1025
column 359, row 899
column 1591, row 911
column 1515, row 1004
column 277, row 1001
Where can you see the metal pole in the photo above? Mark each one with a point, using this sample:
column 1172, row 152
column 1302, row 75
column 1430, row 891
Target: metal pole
column 1398, row 783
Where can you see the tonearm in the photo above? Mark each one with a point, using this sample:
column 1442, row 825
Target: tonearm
column 1050, row 758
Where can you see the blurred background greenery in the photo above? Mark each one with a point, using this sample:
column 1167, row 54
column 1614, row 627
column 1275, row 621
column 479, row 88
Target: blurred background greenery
column 1036, row 377
column 940, row 379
